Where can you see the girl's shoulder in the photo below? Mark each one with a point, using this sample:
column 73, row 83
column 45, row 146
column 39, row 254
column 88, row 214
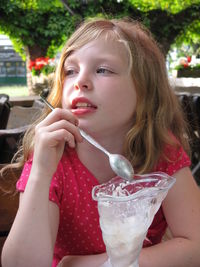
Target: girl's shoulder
column 173, row 159
column 68, row 160
column 70, row 172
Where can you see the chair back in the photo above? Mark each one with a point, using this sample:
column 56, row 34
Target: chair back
column 4, row 110
column 21, row 116
column 191, row 108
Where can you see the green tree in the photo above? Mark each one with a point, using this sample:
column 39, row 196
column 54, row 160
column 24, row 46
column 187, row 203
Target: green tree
column 172, row 21
column 39, row 27
column 36, row 27
column 167, row 19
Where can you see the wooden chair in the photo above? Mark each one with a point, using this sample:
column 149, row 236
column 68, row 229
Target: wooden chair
column 9, row 139
column 4, row 110
column 9, row 142
column 196, row 109
column 21, row 116
column 191, row 109
column 19, row 120
column 8, row 209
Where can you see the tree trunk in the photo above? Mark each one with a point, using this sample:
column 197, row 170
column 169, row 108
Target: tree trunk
column 28, row 74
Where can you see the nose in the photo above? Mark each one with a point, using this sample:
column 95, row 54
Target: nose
column 83, row 82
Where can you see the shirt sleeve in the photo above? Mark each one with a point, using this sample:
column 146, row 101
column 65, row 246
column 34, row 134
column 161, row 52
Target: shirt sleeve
column 174, row 159
column 55, row 191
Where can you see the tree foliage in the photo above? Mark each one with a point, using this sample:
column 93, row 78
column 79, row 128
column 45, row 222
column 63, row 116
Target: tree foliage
column 172, row 6
column 39, row 27
column 36, row 27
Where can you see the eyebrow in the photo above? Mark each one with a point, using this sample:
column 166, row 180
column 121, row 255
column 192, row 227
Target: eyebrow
column 106, row 58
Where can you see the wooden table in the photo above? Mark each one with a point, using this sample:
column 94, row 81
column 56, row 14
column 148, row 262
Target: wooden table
column 23, row 101
column 185, row 85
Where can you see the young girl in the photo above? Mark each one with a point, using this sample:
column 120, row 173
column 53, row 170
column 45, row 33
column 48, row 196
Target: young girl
column 111, row 81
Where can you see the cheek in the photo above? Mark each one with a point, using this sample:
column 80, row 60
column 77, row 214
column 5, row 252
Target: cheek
column 127, row 99
column 128, row 108
column 130, row 97
column 127, row 104
column 66, row 95
column 64, row 101
column 131, row 102
column 121, row 106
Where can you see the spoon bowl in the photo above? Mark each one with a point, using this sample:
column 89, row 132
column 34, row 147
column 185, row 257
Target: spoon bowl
column 121, row 166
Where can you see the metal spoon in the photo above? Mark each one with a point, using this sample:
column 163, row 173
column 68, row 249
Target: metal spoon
column 118, row 163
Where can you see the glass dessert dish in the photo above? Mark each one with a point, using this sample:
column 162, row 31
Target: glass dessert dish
column 126, row 210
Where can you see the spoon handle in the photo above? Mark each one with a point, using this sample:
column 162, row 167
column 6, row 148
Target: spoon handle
column 46, row 102
column 93, row 142
column 84, row 134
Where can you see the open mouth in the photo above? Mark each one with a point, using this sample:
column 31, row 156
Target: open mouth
column 82, row 103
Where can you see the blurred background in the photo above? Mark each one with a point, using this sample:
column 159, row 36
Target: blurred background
column 32, row 34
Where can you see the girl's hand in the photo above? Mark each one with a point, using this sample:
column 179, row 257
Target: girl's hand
column 51, row 135
column 83, row 261
column 68, row 261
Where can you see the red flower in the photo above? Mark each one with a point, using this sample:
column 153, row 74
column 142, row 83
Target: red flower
column 41, row 65
column 188, row 59
column 41, row 62
column 31, row 64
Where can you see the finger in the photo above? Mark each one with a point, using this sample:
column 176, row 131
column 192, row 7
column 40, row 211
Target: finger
column 55, row 138
column 63, row 124
column 59, row 114
column 63, row 135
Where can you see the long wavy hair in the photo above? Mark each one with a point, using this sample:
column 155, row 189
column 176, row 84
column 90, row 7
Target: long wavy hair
column 158, row 115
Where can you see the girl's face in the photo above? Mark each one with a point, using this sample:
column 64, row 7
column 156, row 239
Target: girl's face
column 98, row 87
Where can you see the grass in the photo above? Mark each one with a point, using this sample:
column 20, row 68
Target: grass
column 14, row 90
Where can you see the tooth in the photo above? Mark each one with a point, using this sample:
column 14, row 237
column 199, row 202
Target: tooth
column 83, row 105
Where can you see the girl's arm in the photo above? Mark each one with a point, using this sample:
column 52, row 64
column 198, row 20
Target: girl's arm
column 182, row 210
column 33, row 234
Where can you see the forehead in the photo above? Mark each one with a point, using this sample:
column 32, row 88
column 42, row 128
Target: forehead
column 104, row 46
column 93, row 32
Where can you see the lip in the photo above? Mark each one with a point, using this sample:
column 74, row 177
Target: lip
column 82, row 110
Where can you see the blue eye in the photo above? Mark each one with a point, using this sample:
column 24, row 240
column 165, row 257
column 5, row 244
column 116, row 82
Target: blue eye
column 103, row 70
column 70, row 72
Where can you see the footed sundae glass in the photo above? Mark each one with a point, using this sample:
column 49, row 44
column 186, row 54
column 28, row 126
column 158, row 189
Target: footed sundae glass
column 126, row 210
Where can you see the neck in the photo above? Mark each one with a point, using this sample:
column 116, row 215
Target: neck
column 95, row 160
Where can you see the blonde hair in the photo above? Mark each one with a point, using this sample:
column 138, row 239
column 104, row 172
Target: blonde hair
column 158, row 115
